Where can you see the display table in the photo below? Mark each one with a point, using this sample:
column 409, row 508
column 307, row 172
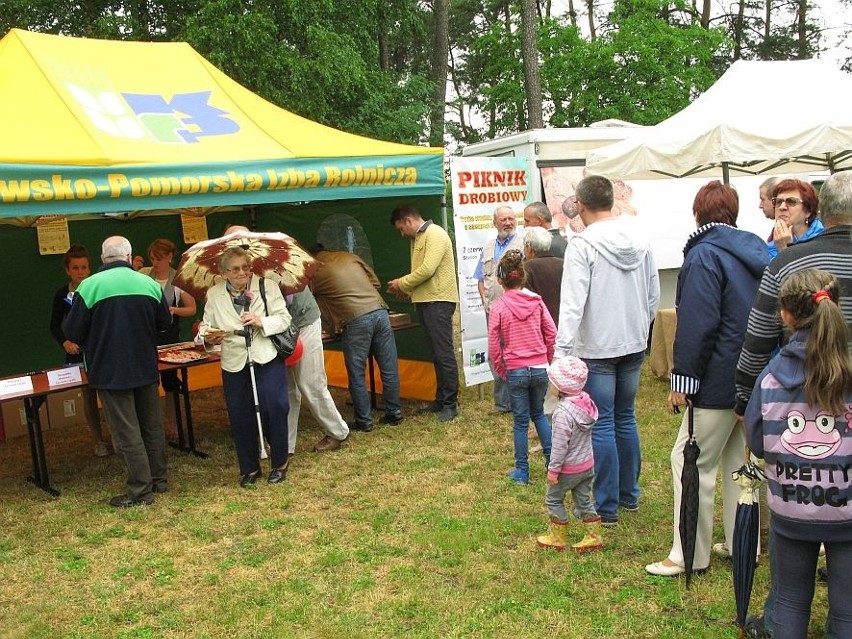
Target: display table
column 662, row 343
column 33, row 399
column 186, row 443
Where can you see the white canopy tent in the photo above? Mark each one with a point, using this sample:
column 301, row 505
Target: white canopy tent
column 759, row 117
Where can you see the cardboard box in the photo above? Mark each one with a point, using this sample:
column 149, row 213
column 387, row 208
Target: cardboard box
column 65, row 409
column 15, row 420
column 61, row 410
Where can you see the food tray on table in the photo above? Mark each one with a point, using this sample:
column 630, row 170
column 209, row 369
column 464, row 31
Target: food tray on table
column 180, row 353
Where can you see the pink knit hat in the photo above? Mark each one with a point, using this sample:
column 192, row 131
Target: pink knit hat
column 568, row 375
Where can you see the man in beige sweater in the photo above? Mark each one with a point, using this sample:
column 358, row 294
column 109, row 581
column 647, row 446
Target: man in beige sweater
column 431, row 286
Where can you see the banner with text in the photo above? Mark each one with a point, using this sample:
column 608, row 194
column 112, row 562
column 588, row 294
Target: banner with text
column 35, row 189
column 480, row 185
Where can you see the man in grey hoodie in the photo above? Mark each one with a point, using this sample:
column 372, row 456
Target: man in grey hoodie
column 610, row 294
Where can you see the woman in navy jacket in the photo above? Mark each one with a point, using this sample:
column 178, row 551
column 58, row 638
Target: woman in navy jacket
column 716, row 286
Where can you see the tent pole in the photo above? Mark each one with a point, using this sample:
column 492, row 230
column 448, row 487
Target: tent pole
column 726, row 173
column 444, row 222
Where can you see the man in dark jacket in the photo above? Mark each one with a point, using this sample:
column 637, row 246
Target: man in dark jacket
column 544, row 271
column 538, row 214
column 115, row 317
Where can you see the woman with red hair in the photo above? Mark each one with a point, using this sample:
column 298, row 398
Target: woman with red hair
column 721, row 271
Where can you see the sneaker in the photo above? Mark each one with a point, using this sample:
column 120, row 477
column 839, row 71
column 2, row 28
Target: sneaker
column 822, row 574
column 519, row 476
column 722, row 550
column 364, row 428
column 609, row 522
column 101, row 449
column 391, row 418
column 448, row 413
column 434, row 407
column 754, row 628
column 634, row 508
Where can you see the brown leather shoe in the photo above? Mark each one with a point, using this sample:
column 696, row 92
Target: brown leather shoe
column 327, row 443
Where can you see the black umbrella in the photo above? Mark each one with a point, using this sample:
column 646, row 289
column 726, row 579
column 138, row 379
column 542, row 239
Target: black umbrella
column 746, row 534
column 689, row 496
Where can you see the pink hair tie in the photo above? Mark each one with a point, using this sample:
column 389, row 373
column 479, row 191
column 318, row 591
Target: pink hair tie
column 819, row 296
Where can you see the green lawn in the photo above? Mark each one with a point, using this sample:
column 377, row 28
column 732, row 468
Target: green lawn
column 410, row 530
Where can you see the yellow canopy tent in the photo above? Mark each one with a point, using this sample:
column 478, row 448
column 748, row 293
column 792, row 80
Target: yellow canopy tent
column 98, row 126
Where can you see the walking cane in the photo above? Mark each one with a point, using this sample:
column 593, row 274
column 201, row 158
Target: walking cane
column 246, row 332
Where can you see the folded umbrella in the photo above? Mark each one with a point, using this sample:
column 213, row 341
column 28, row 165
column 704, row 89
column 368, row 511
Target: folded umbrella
column 688, row 526
column 746, row 534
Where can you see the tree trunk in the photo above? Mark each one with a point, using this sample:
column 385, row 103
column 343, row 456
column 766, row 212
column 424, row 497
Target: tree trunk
column 382, row 41
column 590, row 7
column 705, row 14
column 802, row 31
column 767, row 21
column 529, row 57
column 438, row 75
column 738, row 30
column 572, row 13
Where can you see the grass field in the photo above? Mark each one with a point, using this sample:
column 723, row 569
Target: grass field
column 409, row 530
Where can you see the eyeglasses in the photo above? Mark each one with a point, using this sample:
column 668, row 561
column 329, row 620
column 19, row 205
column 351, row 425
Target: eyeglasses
column 245, row 268
column 789, row 201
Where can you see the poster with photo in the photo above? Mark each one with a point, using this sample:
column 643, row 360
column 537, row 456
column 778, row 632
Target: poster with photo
column 480, row 185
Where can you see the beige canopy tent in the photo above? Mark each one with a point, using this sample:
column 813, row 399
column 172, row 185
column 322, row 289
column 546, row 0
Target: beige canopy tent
column 759, row 117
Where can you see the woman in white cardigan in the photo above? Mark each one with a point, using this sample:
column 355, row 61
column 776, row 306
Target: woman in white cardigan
column 225, row 316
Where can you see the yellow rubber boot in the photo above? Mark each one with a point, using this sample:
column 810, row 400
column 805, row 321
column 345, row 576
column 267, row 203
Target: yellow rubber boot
column 557, row 538
column 592, row 540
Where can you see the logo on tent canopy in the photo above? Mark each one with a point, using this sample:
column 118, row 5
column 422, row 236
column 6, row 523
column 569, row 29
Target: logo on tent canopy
column 183, row 119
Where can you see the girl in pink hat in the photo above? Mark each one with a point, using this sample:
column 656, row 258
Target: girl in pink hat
column 572, row 465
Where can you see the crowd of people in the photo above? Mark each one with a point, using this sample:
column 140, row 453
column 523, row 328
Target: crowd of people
column 761, row 333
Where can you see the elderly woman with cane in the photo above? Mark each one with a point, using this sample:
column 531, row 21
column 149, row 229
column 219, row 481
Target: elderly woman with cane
column 254, row 379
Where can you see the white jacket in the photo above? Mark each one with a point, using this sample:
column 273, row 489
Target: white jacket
column 219, row 312
column 610, row 292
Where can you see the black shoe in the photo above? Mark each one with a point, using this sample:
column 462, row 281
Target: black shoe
column 391, row 418
column 160, row 488
column 123, row 501
column 822, row 574
column 277, row 475
column 754, row 628
column 434, row 407
column 248, row 480
column 448, row 413
column 364, row 428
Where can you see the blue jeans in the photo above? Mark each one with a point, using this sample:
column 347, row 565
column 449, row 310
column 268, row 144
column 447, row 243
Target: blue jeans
column 612, row 385
column 769, row 614
column 795, row 586
column 527, row 388
column 368, row 334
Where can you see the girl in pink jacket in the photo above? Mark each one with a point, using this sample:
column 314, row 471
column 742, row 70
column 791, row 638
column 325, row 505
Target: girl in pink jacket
column 521, row 338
